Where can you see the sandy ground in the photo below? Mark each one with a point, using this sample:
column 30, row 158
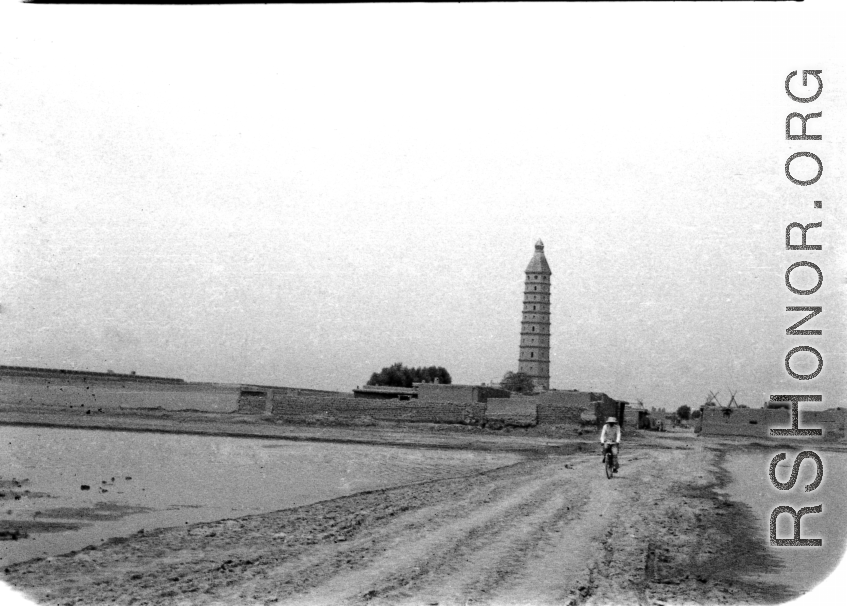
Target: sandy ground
column 548, row 530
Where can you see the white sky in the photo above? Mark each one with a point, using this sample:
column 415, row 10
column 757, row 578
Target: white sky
column 303, row 195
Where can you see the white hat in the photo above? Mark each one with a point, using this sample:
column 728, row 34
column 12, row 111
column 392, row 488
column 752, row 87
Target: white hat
column 611, row 420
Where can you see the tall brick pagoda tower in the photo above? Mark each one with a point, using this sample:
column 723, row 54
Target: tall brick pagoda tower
column 534, row 359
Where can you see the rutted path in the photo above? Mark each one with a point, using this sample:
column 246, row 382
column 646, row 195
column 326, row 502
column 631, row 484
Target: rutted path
column 551, row 530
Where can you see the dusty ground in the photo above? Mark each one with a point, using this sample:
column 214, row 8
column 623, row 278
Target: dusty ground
column 549, row 530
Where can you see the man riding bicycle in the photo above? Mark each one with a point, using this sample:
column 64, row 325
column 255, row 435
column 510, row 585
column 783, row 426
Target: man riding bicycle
column 606, row 440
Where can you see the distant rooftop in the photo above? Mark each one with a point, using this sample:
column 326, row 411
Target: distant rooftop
column 386, row 389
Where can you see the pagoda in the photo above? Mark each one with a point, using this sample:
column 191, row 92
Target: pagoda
column 534, row 358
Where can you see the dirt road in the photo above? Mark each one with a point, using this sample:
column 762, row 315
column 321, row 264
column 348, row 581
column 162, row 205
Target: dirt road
column 549, row 530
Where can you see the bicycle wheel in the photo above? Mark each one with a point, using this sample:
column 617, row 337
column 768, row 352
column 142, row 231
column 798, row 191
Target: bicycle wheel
column 610, row 469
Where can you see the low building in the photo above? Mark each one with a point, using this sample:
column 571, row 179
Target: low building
column 384, row 392
column 757, row 422
column 605, row 407
column 639, row 417
column 557, row 407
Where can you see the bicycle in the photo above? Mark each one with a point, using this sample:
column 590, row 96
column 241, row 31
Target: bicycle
column 610, row 458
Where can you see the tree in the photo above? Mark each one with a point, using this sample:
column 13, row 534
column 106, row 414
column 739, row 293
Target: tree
column 695, row 414
column 398, row 375
column 684, row 412
column 517, row 382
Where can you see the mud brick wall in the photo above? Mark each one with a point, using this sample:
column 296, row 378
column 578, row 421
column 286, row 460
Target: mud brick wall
column 438, row 392
column 756, row 422
column 562, row 407
column 297, row 391
column 517, row 412
column 252, row 405
column 557, row 414
column 567, row 398
column 493, row 393
column 76, row 393
column 605, row 407
column 304, row 408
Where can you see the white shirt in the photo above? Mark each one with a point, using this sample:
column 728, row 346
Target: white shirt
column 603, row 433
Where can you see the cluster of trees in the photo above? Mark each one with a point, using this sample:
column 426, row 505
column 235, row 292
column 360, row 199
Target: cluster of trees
column 517, row 382
column 398, row 375
column 684, row 413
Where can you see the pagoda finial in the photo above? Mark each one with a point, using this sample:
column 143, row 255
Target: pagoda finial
column 539, row 246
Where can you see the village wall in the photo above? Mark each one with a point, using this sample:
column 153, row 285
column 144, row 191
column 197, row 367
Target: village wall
column 756, row 422
column 564, row 407
column 255, row 399
column 565, row 398
column 561, row 407
column 517, row 412
column 94, row 394
column 307, row 408
column 448, row 392
column 440, row 392
column 295, row 405
column 550, row 413
column 252, row 404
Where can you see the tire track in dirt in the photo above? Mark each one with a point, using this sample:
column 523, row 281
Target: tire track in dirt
column 538, row 540
column 628, row 557
column 431, row 546
column 366, row 548
column 483, row 559
column 562, row 568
